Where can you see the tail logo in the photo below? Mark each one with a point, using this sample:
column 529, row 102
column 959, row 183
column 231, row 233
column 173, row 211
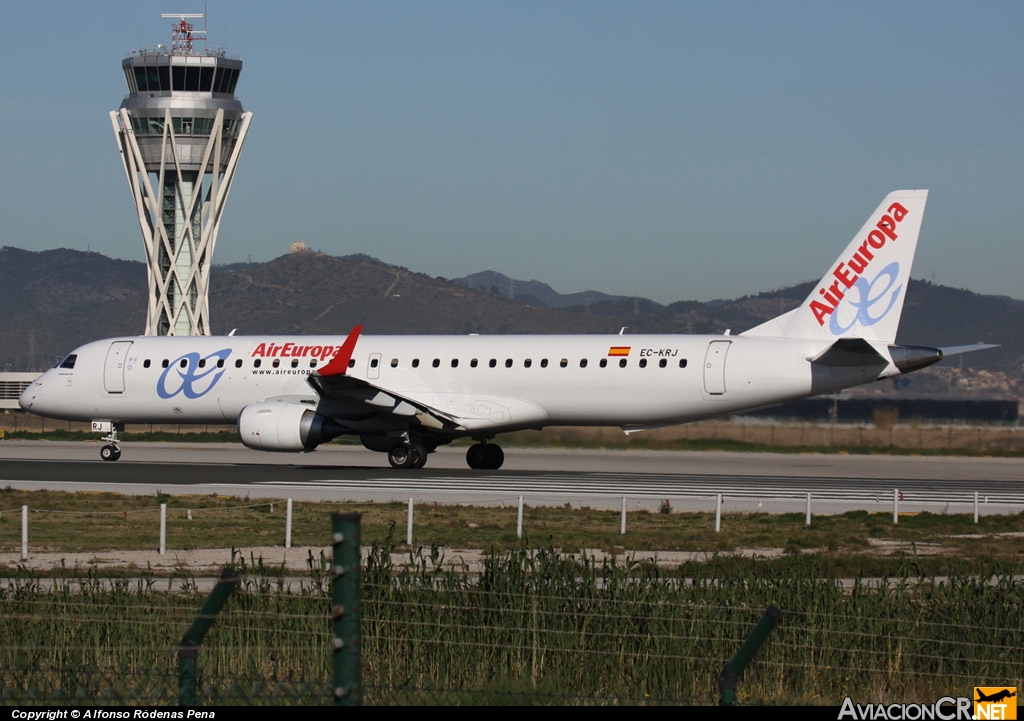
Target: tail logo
column 869, row 298
column 847, row 274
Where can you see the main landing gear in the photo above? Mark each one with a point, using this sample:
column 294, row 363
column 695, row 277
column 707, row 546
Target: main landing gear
column 408, row 455
column 485, row 456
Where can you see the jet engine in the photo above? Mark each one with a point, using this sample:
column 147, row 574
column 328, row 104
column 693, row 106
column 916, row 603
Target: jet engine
column 271, row 426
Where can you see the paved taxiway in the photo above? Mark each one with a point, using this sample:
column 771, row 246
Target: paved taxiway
column 596, row 478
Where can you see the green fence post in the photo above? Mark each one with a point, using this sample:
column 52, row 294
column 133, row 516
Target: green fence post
column 730, row 676
column 188, row 648
column 346, row 610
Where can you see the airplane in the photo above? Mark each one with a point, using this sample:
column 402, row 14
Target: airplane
column 407, row 395
column 996, row 697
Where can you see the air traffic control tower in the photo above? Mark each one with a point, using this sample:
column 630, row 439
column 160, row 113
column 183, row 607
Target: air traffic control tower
column 180, row 131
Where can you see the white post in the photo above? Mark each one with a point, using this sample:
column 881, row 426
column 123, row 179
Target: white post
column 163, row 528
column 288, row 525
column 622, row 520
column 807, row 520
column 24, row 533
column 519, row 519
column 408, row 525
column 975, row 506
column 896, row 505
column 718, row 514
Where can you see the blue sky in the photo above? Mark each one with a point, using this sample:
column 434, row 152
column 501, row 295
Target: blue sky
column 672, row 150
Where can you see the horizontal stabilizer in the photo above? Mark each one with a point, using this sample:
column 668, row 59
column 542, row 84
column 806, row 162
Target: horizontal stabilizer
column 849, row 353
column 958, row 349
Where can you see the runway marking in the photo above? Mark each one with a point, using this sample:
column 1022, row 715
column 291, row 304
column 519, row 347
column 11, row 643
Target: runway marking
column 682, row 486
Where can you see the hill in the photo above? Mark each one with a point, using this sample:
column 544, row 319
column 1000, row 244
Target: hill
column 55, row 300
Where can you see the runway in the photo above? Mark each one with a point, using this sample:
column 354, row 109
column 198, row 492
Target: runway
column 595, row 478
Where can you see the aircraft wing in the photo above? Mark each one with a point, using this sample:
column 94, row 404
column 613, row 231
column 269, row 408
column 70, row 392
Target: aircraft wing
column 342, row 395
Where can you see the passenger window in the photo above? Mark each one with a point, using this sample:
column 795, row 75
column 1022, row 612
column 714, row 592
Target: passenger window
column 184, row 363
column 394, row 362
column 622, row 362
column 257, row 363
column 564, row 362
column 164, row 363
column 277, row 363
column 351, row 362
column 312, row 362
column 238, row 363
column 202, row 362
column 415, row 362
column 374, row 362
column 455, row 362
column 220, row 362
column 604, row 363
column 643, row 362
column 543, row 362
column 493, row 362
column 662, row 363
column 473, row 363
column 583, row 362
column 527, row 363
column 436, row 362
column 682, row 363
column 508, row 362
column 145, row 363
column 295, row 362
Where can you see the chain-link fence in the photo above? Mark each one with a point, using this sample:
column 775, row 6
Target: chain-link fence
column 530, row 627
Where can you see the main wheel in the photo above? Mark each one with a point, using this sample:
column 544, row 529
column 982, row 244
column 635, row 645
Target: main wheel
column 110, row 452
column 419, row 453
column 402, row 456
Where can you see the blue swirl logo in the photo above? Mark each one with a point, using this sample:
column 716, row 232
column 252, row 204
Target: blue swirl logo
column 870, row 294
column 191, row 380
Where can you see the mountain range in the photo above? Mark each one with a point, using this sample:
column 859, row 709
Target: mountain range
column 55, row 300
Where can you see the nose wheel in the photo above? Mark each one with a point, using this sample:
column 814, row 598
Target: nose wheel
column 110, row 452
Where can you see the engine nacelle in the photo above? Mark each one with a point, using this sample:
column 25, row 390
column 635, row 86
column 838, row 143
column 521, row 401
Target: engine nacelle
column 271, row 426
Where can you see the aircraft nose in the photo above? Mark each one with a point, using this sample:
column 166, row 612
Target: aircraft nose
column 30, row 395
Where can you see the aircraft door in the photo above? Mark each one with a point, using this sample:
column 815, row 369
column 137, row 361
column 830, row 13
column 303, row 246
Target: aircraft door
column 113, row 371
column 714, row 367
column 373, row 366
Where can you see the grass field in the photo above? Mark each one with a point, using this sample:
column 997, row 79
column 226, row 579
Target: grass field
column 94, row 522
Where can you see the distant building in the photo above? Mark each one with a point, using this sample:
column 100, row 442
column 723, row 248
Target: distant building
column 11, row 386
column 298, row 247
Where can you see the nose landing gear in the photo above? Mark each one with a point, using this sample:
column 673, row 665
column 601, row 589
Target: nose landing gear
column 109, row 452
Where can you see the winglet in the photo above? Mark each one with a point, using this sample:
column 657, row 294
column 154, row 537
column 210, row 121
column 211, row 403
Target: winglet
column 339, row 364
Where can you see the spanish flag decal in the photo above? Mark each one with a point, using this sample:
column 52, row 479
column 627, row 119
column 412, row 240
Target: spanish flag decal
column 619, row 350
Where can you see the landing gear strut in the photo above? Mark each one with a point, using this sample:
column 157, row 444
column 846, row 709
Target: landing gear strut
column 485, row 456
column 408, row 455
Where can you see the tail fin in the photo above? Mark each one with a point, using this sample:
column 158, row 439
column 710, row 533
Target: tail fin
column 861, row 295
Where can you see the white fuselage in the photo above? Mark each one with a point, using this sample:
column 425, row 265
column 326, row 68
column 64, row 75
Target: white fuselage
column 493, row 383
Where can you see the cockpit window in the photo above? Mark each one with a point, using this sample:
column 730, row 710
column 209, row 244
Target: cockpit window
column 68, row 362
